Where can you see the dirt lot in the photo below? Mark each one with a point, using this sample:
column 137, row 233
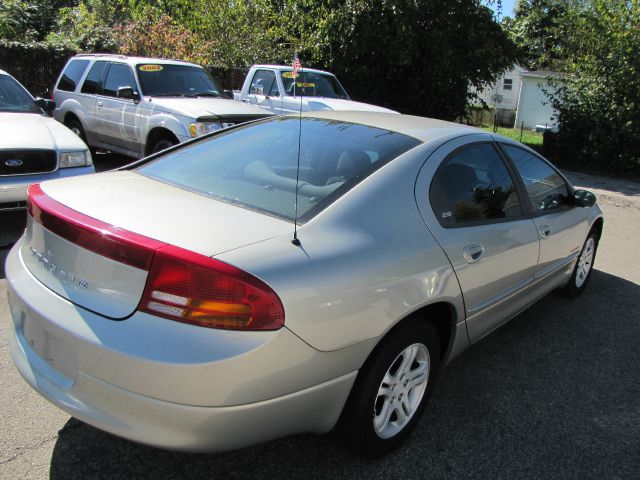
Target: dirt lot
column 553, row 394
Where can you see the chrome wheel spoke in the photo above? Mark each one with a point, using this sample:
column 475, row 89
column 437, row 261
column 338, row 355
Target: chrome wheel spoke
column 418, row 376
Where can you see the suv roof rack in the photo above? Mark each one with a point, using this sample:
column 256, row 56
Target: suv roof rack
column 124, row 57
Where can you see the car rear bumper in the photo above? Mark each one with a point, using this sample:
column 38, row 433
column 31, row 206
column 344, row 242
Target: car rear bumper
column 246, row 392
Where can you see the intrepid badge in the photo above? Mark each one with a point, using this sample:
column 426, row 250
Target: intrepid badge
column 64, row 276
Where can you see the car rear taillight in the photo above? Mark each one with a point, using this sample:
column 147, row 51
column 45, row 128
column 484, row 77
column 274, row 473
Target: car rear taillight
column 181, row 285
column 192, row 288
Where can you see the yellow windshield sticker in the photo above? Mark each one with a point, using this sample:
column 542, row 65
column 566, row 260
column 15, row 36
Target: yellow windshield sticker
column 150, row 68
column 287, row 74
column 305, row 85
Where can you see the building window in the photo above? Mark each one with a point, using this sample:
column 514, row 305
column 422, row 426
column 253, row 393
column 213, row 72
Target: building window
column 508, row 84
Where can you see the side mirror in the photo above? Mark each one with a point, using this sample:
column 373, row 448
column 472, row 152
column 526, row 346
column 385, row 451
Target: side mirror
column 127, row 92
column 45, row 104
column 584, row 198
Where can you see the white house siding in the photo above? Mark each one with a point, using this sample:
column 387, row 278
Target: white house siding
column 534, row 107
column 497, row 96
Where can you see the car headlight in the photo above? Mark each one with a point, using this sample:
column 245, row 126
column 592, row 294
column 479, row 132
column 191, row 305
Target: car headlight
column 75, row 159
column 200, row 128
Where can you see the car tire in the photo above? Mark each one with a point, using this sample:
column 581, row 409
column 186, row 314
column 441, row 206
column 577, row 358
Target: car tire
column 391, row 390
column 76, row 127
column 162, row 144
column 583, row 268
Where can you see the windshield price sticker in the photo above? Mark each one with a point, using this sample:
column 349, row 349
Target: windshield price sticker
column 287, row 74
column 150, row 68
column 305, row 85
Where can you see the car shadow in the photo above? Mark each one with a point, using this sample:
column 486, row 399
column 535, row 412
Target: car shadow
column 553, row 393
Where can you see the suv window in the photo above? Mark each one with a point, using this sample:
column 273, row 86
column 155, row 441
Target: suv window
column 546, row 189
column 72, row 74
column 119, row 75
column 264, row 83
column 92, row 82
column 473, row 186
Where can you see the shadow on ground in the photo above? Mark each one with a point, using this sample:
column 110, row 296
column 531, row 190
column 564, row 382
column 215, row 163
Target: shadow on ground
column 552, row 394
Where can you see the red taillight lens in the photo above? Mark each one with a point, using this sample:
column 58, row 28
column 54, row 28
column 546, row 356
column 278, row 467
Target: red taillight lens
column 181, row 285
column 192, row 288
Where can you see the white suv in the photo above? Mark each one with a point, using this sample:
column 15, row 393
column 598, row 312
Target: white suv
column 137, row 106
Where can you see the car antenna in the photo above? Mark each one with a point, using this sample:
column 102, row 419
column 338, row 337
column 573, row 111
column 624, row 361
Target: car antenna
column 297, row 67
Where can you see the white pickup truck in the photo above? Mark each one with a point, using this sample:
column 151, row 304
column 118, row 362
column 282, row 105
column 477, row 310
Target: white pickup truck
column 273, row 87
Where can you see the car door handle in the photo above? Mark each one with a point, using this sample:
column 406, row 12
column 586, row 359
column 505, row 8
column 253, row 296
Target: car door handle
column 100, row 104
column 544, row 230
column 473, row 252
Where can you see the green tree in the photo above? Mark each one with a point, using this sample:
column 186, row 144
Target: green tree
column 541, row 29
column 416, row 56
column 29, row 21
column 599, row 100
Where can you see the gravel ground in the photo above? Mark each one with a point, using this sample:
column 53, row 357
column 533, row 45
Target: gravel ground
column 552, row 394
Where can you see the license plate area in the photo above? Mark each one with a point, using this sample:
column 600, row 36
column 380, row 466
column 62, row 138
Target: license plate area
column 54, row 351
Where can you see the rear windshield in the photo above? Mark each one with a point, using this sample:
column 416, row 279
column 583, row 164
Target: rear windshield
column 254, row 166
column 168, row 80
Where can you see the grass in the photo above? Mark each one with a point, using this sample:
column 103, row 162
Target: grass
column 529, row 138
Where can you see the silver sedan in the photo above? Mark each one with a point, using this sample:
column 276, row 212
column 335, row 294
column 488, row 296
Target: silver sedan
column 288, row 275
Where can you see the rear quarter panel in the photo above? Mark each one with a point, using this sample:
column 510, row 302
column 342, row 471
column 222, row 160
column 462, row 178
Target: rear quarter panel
column 364, row 263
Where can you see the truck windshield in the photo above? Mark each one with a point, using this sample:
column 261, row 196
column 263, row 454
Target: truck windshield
column 14, row 98
column 312, row 84
column 168, row 80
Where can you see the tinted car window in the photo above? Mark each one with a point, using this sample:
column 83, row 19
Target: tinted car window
column 14, row 98
column 473, row 186
column 545, row 187
column 92, row 82
column 255, row 165
column 119, row 75
column 72, row 74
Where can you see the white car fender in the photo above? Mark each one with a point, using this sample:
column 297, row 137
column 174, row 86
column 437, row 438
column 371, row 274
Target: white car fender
column 178, row 125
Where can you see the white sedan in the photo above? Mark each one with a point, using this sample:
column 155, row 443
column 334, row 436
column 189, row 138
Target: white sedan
column 33, row 146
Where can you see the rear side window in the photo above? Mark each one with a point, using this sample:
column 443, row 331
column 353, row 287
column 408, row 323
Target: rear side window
column 546, row 189
column 254, row 166
column 72, row 74
column 92, row 82
column 473, row 186
column 119, row 75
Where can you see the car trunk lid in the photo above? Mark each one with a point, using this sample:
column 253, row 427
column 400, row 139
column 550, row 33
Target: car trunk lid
column 91, row 239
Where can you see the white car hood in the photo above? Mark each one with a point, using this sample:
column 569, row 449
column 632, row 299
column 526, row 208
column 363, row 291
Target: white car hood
column 321, row 103
column 33, row 131
column 203, row 106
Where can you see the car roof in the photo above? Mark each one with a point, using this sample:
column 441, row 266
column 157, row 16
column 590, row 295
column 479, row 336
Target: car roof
column 288, row 68
column 134, row 60
column 2, row 72
column 421, row 128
